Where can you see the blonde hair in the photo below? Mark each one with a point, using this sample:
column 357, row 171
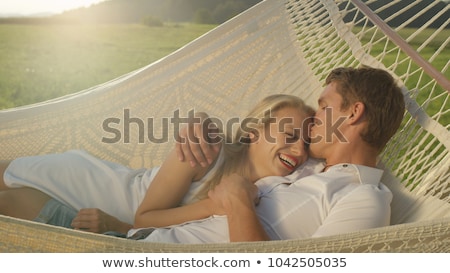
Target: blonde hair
column 234, row 151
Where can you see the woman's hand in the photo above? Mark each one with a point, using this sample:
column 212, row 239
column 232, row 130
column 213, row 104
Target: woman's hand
column 97, row 221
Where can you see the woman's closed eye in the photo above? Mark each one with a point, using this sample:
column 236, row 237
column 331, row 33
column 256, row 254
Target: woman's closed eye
column 291, row 137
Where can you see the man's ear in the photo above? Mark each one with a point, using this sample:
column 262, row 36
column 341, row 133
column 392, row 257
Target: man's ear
column 357, row 112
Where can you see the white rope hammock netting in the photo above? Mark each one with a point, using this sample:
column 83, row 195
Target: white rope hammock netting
column 277, row 46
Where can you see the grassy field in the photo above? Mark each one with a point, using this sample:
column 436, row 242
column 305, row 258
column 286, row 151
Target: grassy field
column 40, row 62
column 435, row 106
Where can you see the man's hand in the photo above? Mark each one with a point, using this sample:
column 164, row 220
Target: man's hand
column 234, row 188
column 238, row 197
column 97, row 221
column 198, row 142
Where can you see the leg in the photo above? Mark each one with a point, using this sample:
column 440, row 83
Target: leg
column 3, row 165
column 24, row 203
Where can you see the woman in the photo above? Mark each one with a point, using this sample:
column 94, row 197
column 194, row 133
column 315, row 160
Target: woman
column 268, row 143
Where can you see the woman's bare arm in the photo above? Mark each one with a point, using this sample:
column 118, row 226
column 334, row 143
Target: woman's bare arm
column 160, row 206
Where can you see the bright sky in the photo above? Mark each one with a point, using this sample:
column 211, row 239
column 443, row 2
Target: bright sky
column 26, row 7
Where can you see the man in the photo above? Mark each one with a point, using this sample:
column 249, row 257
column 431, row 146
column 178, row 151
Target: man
column 359, row 111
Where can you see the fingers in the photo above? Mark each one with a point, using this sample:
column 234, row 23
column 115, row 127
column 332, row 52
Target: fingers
column 210, row 144
column 89, row 220
column 184, row 140
column 198, row 143
column 97, row 221
column 188, row 146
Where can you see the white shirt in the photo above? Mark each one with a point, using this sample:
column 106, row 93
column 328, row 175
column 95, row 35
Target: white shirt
column 345, row 198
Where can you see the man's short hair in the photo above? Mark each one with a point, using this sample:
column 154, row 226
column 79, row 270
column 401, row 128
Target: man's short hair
column 381, row 96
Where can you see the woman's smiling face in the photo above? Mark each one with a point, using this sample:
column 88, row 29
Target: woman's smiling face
column 279, row 147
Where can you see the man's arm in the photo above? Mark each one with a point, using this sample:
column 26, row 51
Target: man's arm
column 237, row 197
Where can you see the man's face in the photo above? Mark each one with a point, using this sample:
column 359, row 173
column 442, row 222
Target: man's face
column 328, row 122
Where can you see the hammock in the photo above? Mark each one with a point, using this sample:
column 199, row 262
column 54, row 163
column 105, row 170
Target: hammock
column 277, row 46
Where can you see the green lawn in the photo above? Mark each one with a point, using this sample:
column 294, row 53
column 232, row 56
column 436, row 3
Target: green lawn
column 40, row 62
column 434, row 104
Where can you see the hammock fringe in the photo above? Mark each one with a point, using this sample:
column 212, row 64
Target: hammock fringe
column 277, row 46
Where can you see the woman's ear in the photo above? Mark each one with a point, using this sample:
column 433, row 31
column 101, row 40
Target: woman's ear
column 357, row 112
